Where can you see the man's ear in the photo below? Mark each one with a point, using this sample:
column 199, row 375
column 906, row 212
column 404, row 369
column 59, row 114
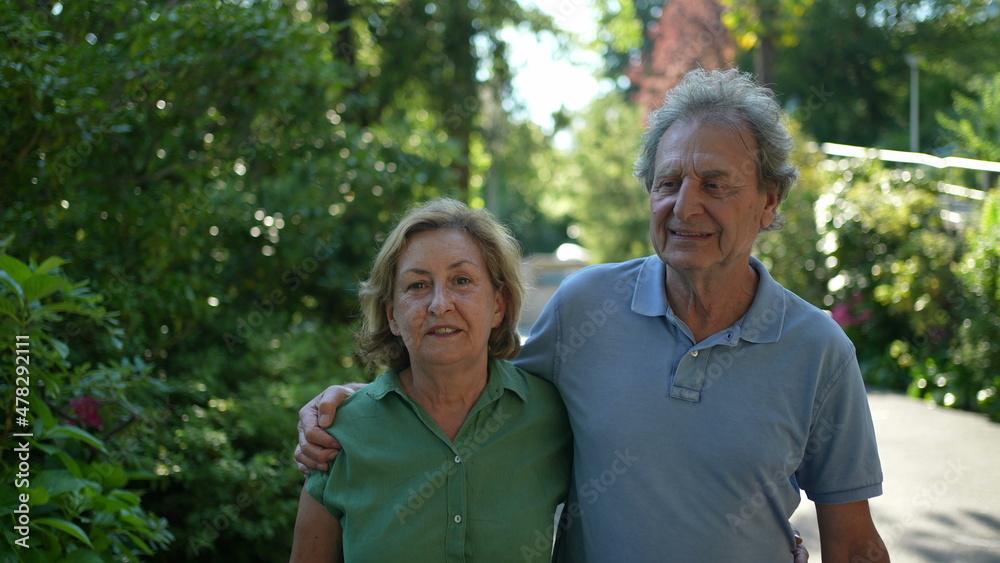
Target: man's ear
column 770, row 209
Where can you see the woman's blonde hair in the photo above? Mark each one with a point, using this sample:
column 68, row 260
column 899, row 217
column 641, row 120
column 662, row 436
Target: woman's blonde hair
column 376, row 344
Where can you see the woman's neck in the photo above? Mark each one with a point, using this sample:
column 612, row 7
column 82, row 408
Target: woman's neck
column 447, row 395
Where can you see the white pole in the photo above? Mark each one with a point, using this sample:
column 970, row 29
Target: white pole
column 914, row 62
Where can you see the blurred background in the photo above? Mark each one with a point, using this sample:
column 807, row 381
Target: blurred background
column 190, row 192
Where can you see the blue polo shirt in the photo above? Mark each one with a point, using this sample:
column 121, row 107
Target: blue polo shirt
column 697, row 452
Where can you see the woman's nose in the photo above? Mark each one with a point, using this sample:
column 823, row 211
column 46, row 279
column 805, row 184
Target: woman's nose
column 441, row 300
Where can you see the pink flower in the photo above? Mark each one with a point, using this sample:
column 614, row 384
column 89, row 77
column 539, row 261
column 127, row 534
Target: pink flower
column 87, row 409
column 844, row 314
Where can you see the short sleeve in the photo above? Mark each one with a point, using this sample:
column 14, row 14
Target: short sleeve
column 538, row 355
column 841, row 462
column 316, row 485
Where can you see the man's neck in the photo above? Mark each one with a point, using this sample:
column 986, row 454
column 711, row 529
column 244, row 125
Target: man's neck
column 711, row 303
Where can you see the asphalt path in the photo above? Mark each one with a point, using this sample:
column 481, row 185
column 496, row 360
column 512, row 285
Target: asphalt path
column 941, row 494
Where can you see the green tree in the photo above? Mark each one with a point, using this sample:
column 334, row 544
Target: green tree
column 847, row 79
column 764, row 26
column 975, row 128
column 420, row 63
column 223, row 174
column 595, row 185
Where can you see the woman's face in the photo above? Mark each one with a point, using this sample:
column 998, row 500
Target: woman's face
column 443, row 302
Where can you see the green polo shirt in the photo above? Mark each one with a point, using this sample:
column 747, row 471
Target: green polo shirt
column 404, row 492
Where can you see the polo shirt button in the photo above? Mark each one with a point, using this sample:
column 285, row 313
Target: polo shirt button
column 694, row 354
column 458, row 519
column 458, row 459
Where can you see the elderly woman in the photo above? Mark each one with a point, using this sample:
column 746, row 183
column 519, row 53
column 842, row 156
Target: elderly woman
column 430, row 449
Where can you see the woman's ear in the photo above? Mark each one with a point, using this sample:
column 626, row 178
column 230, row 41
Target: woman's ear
column 390, row 314
column 500, row 307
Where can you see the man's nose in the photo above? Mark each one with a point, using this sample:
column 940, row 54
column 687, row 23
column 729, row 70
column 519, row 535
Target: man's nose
column 687, row 202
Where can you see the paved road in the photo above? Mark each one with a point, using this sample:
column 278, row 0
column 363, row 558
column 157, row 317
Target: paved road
column 941, row 498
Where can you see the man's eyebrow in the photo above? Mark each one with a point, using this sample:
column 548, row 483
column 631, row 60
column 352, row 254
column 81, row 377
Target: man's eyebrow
column 665, row 172
column 714, row 173
column 669, row 171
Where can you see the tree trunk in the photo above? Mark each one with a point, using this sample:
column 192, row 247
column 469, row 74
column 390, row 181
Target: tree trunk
column 763, row 61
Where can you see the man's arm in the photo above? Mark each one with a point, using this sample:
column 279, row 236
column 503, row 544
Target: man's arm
column 316, row 446
column 847, row 534
column 318, row 535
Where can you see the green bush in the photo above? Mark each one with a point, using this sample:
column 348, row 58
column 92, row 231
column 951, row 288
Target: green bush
column 222, row 200
column 978, row 349
column 917, row 308
column 791, row 254
column 77, row 487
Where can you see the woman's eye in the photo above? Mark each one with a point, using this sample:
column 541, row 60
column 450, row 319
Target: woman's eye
column 418, row 285
column 463, row 281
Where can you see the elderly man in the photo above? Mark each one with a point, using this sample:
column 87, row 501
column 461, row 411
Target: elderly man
column 702, row 395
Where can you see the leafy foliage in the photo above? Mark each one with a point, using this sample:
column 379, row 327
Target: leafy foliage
column 903, row 287
column 222, row 173
column 976, row 126
column 977, row 351
column 77, row 490
column 841, row 68
column 597, row 187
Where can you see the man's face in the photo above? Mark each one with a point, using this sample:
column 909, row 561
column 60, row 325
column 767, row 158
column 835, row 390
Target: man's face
column 705, row 208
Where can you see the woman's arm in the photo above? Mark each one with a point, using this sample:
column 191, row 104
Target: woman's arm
column 317, row 533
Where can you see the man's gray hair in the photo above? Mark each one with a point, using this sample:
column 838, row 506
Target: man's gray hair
column 731, row 97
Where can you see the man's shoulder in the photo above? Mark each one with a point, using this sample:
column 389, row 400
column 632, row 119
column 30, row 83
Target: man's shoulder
column 596, row 278
column 802, row 311
column 532, row 388
column 808, row 322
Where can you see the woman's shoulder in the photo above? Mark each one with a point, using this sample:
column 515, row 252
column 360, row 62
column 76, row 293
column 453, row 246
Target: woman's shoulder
column 533, row 388
column 365, row 403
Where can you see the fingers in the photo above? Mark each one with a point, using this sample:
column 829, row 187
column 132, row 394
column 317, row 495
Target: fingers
column 316, row 446
column 302, row 468
column 800, row 553
column 310, row 456
column 329, row 401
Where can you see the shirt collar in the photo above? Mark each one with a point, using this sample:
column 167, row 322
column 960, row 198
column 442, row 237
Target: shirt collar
column 764, row 320
column 502, row 375
column 650, row 296
column 762, row 323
